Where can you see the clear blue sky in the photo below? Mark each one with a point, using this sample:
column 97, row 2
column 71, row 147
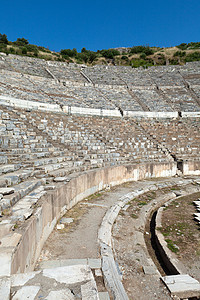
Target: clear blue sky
column 101, row 24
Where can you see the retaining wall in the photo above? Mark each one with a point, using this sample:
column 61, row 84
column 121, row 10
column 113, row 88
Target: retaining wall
column 36, row 105
column 191, row 167
column 25, row 244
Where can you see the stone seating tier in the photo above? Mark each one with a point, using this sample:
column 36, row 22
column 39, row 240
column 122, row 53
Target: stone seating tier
column 108, row 87
column 36, row 144
column 181, row 137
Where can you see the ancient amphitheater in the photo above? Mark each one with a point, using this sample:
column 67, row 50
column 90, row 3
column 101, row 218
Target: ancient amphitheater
column 78, row 145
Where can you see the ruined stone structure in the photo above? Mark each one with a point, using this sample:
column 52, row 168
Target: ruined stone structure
column 89, row 127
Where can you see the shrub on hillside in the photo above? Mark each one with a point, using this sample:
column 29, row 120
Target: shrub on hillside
column 21, row 42
column 24, row 50
column 179, row 53
column 174, row 61
column 110, row 53
column 3, row 47
column 195, row 56
column 69, row 52
column 31, row 48
column 141, row 49
column 136, row 63
column 182, row 46
column 193, row 45
column 143, row 55
column 124, row 57
column 12, row 50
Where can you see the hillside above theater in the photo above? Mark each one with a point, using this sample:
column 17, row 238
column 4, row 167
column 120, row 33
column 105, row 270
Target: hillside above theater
column 135, row 56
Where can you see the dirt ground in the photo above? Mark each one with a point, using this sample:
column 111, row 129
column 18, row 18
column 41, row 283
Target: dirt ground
column 182, row 232
column 131, row 254
column 79, row 238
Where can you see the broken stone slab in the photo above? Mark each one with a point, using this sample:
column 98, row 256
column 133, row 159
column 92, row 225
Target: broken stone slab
column 183, row 286
column 197, row 215
column 66, row 220
column 49, row 187
column 70, row 274
column 65, row 294
column 60, row 226
column 104, row 296
column 5, row 229
column 150, row 270
column 197, row 181
column 10, row 240
column 98, row 273
column 61, row 179
column 89, row 291
column 26, row 293
column 6, row 191
column 197, row 219
column 177, row 193
column 3, row 183
column 125, row 207
column 5, row 288
column 22, row 278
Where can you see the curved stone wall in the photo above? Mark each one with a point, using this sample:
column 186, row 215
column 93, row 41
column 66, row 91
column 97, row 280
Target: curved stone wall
column 26, row 242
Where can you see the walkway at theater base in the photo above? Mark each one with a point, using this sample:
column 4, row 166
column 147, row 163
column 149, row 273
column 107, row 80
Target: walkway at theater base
column 70, row 264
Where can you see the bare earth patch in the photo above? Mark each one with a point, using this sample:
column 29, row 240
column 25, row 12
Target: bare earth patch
column 131, row 256
column 182, row 232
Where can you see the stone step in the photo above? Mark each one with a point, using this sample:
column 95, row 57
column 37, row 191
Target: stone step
column 34, row 155
column 9, row 168
column 20, row 191
column 46, row 161
column 60, row 172
column 16, row 177
column 69, row 282
column 51, row 167
column 3, row 158
column 24, row 208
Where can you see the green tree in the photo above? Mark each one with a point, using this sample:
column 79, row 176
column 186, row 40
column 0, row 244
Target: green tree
column 182, row 46
column 3, row 39
column 84, row 50
column 21, row 42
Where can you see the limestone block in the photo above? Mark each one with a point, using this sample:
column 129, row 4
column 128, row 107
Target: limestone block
column 5, row 288
column 26, row 293
column 6, row 191
column 60, row 179
column 70, row 274
column 22, row 279
column 10, row 240
column 89, row 291
column 104, row 296
column 183, row 286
